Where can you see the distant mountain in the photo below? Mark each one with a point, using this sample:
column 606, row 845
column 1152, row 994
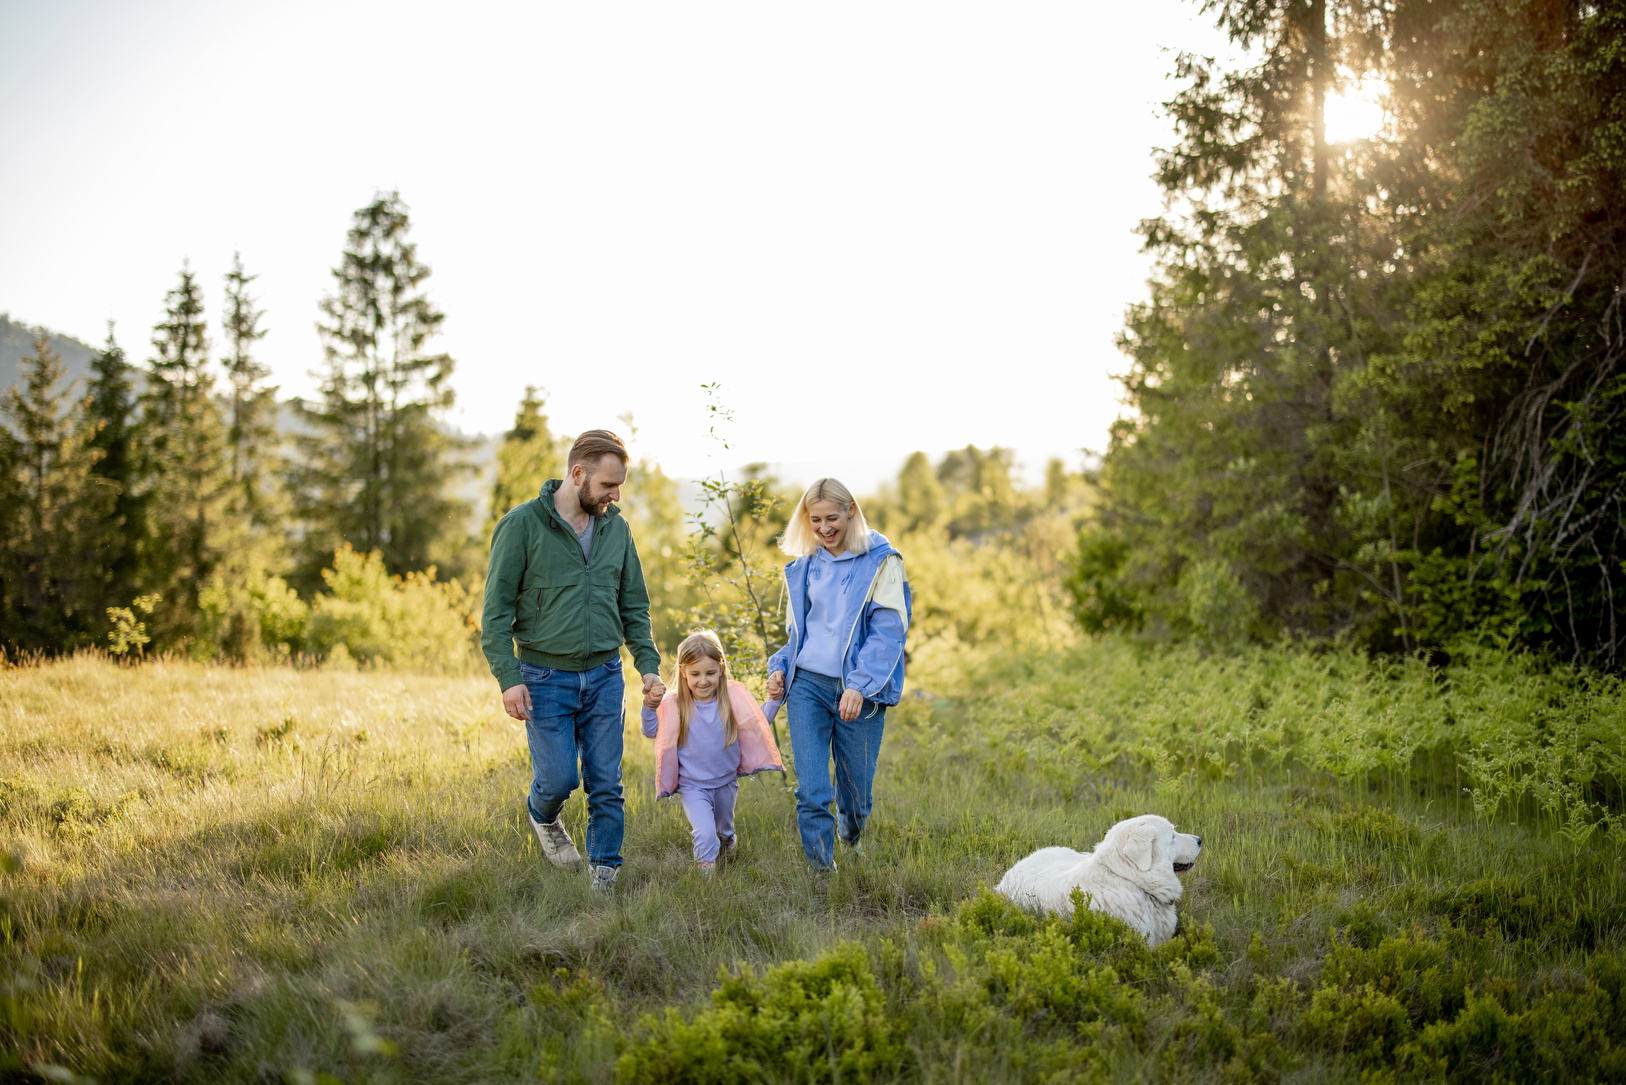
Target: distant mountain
column 17, row 343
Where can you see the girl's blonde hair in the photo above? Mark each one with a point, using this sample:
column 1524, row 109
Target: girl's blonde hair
column 798, row 540
column 695, row 647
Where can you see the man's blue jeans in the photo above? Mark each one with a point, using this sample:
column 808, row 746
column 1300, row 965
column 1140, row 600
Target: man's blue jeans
column 579, row 714
column 817, row 732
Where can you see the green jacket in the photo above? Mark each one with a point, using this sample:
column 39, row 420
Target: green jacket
column 545, row 605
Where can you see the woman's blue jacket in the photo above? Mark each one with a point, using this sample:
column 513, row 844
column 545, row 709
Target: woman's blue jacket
column 878, row 620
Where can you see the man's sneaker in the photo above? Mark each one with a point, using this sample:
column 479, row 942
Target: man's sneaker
column 604, row 879
column 556, row 843
column 730, row 847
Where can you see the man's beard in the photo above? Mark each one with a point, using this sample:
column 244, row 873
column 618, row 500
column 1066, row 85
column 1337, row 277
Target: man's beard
column 588, row 506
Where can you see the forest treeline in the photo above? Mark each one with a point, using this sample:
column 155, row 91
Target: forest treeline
column 1377, row 386
column 178, row 506
column 1376, row 393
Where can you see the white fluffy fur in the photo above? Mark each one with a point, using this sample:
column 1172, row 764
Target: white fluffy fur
column 1130, row 875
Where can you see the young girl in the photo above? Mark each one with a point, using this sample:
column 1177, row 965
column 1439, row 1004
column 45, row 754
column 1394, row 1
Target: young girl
column 708, row 733
column 843, row 664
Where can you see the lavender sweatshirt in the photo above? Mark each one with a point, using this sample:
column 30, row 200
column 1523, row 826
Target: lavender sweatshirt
column 703, row 761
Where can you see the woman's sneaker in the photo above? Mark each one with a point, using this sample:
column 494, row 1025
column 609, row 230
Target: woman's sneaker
column 556, row 843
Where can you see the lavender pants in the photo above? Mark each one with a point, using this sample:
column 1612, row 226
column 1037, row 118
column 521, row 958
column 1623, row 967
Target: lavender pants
column 710, row 811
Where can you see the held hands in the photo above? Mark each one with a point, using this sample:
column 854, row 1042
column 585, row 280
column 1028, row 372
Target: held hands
column 653, row 691
column 776, row 686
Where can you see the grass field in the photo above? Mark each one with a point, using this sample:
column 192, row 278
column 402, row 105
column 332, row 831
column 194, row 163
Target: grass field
column 275, row 875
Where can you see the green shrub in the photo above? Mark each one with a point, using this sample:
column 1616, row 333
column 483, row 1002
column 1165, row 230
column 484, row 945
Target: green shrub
column 255, row 618
column 1515, row 909
column 411, row 621
column 823, row 1020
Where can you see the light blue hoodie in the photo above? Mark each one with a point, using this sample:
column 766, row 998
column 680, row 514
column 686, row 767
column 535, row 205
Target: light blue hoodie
column 876, row 620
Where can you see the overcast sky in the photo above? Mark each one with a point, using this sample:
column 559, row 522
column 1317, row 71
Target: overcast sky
column 881, row 226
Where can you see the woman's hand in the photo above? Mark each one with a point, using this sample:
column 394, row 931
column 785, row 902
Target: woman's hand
column 776, row 686
column 852, row 703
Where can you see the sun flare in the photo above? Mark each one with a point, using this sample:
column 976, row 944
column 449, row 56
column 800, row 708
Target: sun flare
column 1356, row 113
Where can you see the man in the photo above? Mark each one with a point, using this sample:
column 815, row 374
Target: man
column 565, row 590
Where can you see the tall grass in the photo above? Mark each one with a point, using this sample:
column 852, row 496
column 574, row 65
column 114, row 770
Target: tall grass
column 269, row 875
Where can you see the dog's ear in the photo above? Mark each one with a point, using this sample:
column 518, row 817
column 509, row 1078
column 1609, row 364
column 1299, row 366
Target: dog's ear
column 1138, row 846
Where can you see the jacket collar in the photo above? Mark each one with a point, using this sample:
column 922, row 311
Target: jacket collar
column 796, row 570
column 550, row 487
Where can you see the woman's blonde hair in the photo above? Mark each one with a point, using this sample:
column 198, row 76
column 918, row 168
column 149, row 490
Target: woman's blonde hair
column 798, row 540
column 695, row 647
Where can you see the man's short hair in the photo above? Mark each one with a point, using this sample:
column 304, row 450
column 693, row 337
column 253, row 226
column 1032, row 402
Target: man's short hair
column 593, row 446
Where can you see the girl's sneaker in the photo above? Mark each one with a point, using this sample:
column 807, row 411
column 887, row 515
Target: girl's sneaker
column 707, row 867
column 731, row 847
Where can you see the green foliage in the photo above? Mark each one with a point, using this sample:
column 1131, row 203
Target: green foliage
column 410, row 621
column 129, row 633
column 214, row 874
column 735, row 585
column 987, row 557
column 1379, row 381
column 252, row 442
column 528, row 455
column 49, row 493
column 253, row 618
column 185, row 440
column 654, row 510
column 823, row 1020
column 1409, row 1004
column 1512, row 735
column 377, row 465
column 113, row 420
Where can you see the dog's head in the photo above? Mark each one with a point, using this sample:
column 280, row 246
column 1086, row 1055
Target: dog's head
column 1147, row 849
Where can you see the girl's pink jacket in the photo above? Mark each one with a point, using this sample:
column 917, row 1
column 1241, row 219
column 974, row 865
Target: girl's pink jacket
column 757, row 750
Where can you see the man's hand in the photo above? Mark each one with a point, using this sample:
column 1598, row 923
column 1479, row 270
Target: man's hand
column 653, row 690
column 776, row 686
column 516, row 701
column 852, row 703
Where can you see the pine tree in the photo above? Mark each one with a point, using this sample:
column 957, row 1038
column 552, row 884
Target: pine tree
column 52, row 581
column 186, row 441
column 377, row 465
column 528, row 456
column 110, row 409
column 251, row 432
column 921, row 500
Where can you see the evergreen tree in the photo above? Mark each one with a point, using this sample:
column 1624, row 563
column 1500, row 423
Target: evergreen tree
column 186, row 443
column 110, row 409
column 251, row 433
column 1378, row 381
column 528, row 456
column 377, row 465
column 52, row 581
column 921, row 501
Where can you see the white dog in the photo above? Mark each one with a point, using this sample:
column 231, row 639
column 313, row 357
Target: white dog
column 1133, row 874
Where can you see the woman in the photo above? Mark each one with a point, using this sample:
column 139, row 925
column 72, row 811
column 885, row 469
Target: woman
column 843, row 664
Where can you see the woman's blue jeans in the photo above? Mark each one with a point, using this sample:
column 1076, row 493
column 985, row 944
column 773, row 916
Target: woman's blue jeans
column 818, row 734
column 579, row 715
